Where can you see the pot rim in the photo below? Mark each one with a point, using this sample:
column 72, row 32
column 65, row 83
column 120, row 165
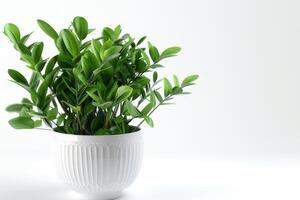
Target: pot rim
column 72, row 137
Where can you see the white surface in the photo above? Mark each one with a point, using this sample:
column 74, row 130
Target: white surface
column 166, row 177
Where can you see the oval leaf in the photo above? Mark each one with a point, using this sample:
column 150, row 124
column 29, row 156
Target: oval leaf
column 167, row 87
column 47, row 28
column 188, row 80
column 72, row 44
column 17, row 76
column 123, row 93
column 81, row 27
column 14, row 108
column 51, row 114
column 22, row 123
column 12, row 32
column 172, row 51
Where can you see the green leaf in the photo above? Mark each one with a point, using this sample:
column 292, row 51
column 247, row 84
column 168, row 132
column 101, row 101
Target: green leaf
column 154, row 76
column 103, row 105
column 28, row 59
column 95, row 48
column 37, row 114
column 112, row 91
column 141, row 40
column 188, row 80
column 112, row 50
column 154, row 66
column 40, row 65
column 176, row 81
column 154, row 54
column 118, row 30
column 51, row 114
column 47, row 29
column 12, row 32
column 167, row 87
column 131, row 109
column 34, row 97
column 94, row 97
column 147, row 109
column 108, row 33
column 152, row 99
column 141, row 66
column 80, row 76
column 123, row 93
column 22, row 123
column 37, row 123
column 75, row 109
column 102, row 132
column 14, row 108
column 149, row 121
column 109, row 58
column 23, row 49
column 60, row 119
column 145, row 57
column 42, row 91
column 17, row 76
column 50, row 65
column 177, row 90
column 89, row 63
column 158, row 96
column 37, row 50
column 81, row 27
column 26, row 102
column 72, row 44
column 172, row 51
column 25, row 38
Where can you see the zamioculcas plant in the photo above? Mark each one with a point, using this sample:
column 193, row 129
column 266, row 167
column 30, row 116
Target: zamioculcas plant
column 98, row 86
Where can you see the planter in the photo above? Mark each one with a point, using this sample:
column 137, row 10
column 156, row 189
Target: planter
column 99, row 166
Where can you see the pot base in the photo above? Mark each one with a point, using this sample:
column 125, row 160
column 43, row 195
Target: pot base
column 100, row 196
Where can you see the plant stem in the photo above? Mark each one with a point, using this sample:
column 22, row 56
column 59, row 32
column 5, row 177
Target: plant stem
column 148, row 115
column 166, row 99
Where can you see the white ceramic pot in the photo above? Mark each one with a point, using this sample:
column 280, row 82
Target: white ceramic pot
column 99, row 166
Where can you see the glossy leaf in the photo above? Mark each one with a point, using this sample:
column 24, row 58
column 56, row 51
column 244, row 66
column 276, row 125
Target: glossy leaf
column 89, row 63
column 154, row 76
column 52, row 113
column 153, row 51
column 149, row 121
column 141, row 40
column 81, row 27
column 72, row 44
column 167, row 87
column 171, row 51
column 176, row 81
column 12, row 32
column 188, row 80
column 50, row 65
column 48, row 29
column 17, row 76
column 37, row 51
column 131, row 109
column 123, row 93
column 80, row 76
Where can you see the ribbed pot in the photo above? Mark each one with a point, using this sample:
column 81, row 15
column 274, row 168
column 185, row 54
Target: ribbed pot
column 99, row 166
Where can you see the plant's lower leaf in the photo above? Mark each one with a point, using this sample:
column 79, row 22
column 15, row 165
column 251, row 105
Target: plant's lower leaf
column 22, row 123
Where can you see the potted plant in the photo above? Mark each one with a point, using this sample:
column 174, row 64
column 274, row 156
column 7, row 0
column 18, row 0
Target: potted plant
column 94, row 94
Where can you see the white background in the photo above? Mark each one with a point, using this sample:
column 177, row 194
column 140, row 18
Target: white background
column 245, row 104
